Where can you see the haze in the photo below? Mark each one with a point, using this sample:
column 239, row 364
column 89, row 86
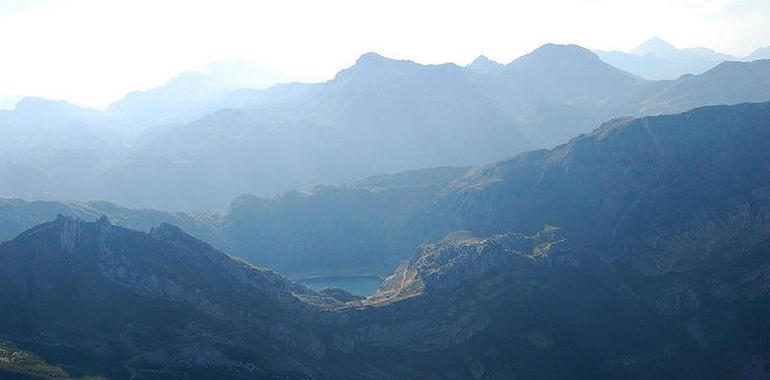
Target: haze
column 94, row 52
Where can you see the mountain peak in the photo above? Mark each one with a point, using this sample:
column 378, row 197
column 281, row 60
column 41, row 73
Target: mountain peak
column 761, row 53
column 482, row 64
column 557, row 50
column 654, row 45
column 370, row 58
column 482, row 59
column 550, row 54
column 37, row 104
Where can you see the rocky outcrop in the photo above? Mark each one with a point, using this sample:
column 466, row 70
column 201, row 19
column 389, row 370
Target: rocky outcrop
column 127, row 297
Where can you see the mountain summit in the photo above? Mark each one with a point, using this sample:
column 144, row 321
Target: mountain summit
column 482, row 64
column 654, row 45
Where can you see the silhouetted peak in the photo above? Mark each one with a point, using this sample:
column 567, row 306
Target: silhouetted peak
column 549, row 55
column 370, row 58
column 36, row 104
column 482, row 59
column 556, row 51
column 483, row 64
column 761, row 53
column 653, row 45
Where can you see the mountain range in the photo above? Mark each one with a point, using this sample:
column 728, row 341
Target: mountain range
column 378, row 116
column 636, row 251
column 370, row 226
column 656, row 59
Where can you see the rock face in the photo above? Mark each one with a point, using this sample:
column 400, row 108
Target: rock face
column 119, row 299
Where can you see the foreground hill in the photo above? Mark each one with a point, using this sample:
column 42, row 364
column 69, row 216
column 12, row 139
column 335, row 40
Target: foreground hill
column 101, row 298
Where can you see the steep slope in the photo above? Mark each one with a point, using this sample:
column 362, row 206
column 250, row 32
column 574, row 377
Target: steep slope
column 121, row 302
column 533, row 307
column 558, row 91
column 727, row 83
column 564, row 74
column 692, row 182
column 657, row 266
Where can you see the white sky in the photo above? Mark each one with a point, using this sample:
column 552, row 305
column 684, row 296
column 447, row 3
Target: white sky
column 94, row 51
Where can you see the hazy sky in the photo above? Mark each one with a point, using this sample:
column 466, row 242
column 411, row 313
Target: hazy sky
column 94, row 51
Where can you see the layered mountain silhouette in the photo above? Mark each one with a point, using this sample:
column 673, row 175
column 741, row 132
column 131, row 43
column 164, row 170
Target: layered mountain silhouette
column 656, row 59
column 378, row 116
column 636, row 251
column 189, row 95
column 329, row 230
column 396, row 115
column 482, row 64
column 370, row 226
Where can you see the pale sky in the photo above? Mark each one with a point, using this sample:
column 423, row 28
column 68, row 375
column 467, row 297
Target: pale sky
column 92, row 52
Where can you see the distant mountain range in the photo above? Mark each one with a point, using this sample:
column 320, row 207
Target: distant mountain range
column 189, row 95
column 638, row 251
column 378, row 116
column 370, row 226
column 656, row 59
column 346, row 225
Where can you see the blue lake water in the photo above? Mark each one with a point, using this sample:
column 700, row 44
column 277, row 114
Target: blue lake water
column 358, row 285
